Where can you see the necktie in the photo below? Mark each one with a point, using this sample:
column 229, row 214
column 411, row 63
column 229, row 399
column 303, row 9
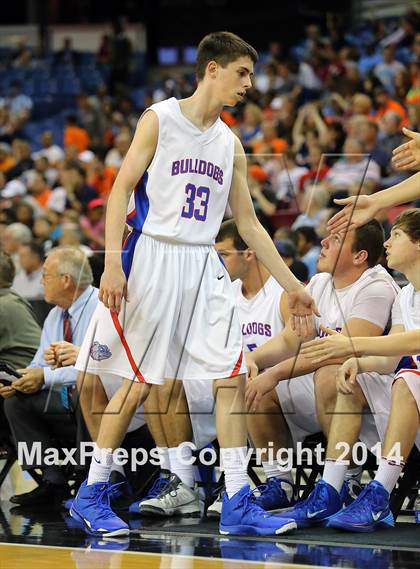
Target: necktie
column 67, row 337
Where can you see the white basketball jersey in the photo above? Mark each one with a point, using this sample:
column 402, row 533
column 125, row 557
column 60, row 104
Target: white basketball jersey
column 335, row 305
column 259, row 316
column 409, row 300
column 188, row 181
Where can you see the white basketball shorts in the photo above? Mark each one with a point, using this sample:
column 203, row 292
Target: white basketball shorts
column 180, row 319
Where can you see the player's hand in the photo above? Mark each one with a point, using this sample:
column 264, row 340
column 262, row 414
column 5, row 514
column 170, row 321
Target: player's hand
column 335, row 345
column 358, row 210
column 257, row 388
column 31, row 381
column 6, row 391
column 252, row 368
column 346, row 376
column 113, row 288
column 302, row 306
column 66, row 353
column 407, row 155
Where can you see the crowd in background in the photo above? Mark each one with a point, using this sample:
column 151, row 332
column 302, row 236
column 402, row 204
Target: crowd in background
column 321, row 121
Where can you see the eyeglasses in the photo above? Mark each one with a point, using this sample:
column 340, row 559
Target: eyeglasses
column 46, row 276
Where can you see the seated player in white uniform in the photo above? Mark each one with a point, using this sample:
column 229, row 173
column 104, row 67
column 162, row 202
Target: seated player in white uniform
column 399, row 429
column 167, row 308
column 355, row 295
column 262, row 310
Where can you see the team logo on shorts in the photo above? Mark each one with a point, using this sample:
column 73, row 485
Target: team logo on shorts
column 100, row 352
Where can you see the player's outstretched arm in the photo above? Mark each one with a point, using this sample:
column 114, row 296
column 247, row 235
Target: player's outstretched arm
column 407, row 155
column 400, row 343
column 255, row 236
column 113, row 282
column 359, row 210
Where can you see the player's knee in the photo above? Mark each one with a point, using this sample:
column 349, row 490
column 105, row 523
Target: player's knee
column 401, row 391
column 325, row 385
column 134, row 393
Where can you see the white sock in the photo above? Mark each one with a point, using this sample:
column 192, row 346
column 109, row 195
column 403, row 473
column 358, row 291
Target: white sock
column 235, row 464
column 277, row 470
column 100, row 467
column 388, row 473
column 354, row 473
column 334, row 473
column 118, row 468
column 179, row 457
column 164, row 458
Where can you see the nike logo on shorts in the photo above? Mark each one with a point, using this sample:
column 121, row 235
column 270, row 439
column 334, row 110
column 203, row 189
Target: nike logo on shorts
column 220, row 278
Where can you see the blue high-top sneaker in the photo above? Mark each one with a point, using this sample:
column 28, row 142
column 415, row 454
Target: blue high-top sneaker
column 368, row 512
column 322, row 502
column 350, row 490
column 155, row 489
column 275, row 494
column 241, row 516
column 91, row 508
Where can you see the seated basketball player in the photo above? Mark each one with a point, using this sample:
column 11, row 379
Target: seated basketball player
column 355, row 294
column 397, row 413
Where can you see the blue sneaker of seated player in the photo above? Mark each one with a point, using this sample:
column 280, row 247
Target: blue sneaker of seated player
column 275, row 494
column 322, row 502
column 154, row 490
column 350, row 491
column 368, row 512
column 91, row 508
column 242, row 516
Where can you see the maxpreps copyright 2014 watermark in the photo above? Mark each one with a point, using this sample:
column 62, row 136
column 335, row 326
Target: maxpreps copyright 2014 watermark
column 287, row 458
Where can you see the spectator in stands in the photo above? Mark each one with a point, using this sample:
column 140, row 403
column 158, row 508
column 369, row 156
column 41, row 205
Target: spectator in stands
column 121, row 57
column 41, row 409
column 387, row 70
column 7, row 161
column 79, row 194
column 368, row 135
column 269, row 143
column 14, row 236
column 308, row 248
column 314, row 202
column 19, row 337
column 27, row 282
column 19, row 332
column 286, row 183
column 99, row 176
column 318, row 169
column 263, row 197
column 250, row 129
column 25, row 213
column 392, row 136
column 354, row 172
column 20, row 105
column 42, row 231
column 67, row 55
column 24, row 162
column 74, row 135
column 93, row 224
column 104, row 53
column 39, row 189
column 287, row 250
column 116, row 154
column 92, row 120
column 385, row 103
column 13, row 191
column 53, row 152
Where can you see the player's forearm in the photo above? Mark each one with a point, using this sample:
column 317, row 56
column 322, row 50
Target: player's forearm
column 378, row 364
column 406, row 191
column 115, row 224
column 272, row 352
column 297, row 366
column 257, row 239
column 404, row 343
